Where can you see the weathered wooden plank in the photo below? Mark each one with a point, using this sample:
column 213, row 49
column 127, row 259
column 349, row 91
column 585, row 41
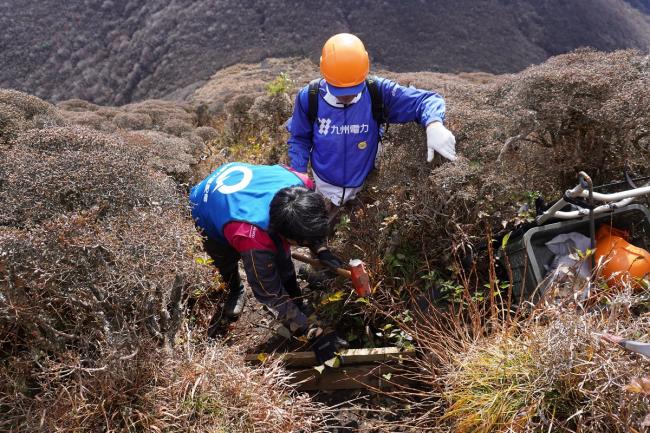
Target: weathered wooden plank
column 348, row 357
column 381, row 376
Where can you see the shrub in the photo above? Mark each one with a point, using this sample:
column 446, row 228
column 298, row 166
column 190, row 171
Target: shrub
column 527, row 132
column 176, row 127
column 207, row 133
column 19, row 112
column 269, row 112
column 11, row 122
column 28, row 105
column 77, row 105
column 133, row 121
column 589, row 107
column 282, row 84
column 88, row 119
column 59, row 170
column 172, row 155
column 87, row 303
column 84, row 272
column 97, row 257
column 162, row 111
column 108, row 112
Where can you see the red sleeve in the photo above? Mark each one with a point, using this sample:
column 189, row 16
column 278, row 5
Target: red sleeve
column 245, row 237
column 303, row 176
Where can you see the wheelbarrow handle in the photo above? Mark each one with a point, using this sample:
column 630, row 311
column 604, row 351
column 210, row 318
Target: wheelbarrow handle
column 611, row 201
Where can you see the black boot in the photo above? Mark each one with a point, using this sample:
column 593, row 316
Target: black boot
column 236, row 298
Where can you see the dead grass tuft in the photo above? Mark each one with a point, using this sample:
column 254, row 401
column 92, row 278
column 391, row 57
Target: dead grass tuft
column 207, row 388
column 487, row 368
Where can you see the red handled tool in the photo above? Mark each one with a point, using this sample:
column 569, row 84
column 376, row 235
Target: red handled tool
column 357, row 273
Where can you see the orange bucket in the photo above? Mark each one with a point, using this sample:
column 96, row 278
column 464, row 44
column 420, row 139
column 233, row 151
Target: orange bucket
column 622, row 261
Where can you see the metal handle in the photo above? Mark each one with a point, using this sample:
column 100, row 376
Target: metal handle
column 612, row 201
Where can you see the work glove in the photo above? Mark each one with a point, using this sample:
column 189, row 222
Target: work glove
column 441, row 140
column 327, row 346
column 328, row 259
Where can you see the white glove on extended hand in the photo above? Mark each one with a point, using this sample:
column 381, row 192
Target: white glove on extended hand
column 441, row 140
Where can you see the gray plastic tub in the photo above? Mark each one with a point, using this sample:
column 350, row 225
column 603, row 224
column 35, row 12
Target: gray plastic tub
column 529, row 257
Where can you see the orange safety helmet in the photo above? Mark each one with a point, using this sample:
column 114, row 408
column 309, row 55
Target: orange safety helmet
column 344, row 62
column 622, row 261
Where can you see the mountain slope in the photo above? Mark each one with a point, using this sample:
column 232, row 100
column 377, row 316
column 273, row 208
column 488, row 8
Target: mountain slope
column 117, row 51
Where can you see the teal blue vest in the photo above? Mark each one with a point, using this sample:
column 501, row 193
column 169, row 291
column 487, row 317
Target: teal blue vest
column 238, row 192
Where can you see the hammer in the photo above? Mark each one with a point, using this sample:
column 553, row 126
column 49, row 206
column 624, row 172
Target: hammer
column 357, row 273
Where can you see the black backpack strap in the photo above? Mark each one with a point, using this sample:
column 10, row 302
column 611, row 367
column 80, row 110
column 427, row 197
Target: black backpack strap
column 378, row 108
column 312, row 100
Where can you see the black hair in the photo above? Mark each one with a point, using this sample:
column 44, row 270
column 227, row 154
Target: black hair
column 299, row 214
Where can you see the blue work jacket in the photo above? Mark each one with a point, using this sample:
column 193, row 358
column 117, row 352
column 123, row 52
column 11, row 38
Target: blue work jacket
column 342, row 143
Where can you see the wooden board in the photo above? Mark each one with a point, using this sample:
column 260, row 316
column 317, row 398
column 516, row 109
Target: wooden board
column 377, row 368
column 369, row 376
column 348, row 357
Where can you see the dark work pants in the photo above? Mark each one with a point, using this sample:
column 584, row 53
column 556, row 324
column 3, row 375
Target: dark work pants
column 271, row 276
column 226, row 259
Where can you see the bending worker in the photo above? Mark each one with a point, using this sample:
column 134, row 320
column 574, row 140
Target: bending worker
column 253, row 213
column 337, row 120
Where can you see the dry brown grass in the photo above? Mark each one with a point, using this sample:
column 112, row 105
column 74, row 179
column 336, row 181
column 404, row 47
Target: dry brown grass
column 216, row 389
column 550, row 372
column 197, row 389
column 485, row 367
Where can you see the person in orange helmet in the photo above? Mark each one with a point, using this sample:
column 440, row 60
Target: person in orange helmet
column 337, row 122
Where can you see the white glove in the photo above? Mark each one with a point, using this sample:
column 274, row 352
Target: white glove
column 441, row 140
